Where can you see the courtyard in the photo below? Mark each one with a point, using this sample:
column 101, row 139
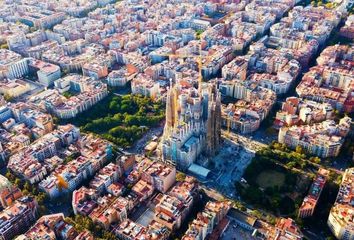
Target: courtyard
column 270, row 178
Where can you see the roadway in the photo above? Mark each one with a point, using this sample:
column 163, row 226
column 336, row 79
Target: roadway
column 248, row 143
column 139, row 146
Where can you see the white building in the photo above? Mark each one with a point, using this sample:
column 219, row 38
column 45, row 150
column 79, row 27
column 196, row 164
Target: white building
column 12, row 65
column 47, row 73
column 119, row 78
column 340, row 219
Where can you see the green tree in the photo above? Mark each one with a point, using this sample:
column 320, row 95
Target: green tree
column 199, row 33
column 8, row 98
column 41, row 197
column 180, row 176
column 119, row 119
column 108, row 235
column 298, row 149
column 316, row 160
column 25, row 192
column 35, row 191
column 27, row 186
column 18, row 183
column 257, row 213
column 10, row 176
column 4, row 46
column 329, row 5
column 71, row 157
column 67, row 94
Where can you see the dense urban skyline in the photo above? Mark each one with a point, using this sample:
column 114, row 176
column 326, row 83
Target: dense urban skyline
column 176, row 119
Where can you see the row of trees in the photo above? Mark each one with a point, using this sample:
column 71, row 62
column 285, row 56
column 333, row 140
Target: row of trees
column 292, row 159
column 82, row 223
column 318, row 3
column 28, row 189
column 325, row 3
